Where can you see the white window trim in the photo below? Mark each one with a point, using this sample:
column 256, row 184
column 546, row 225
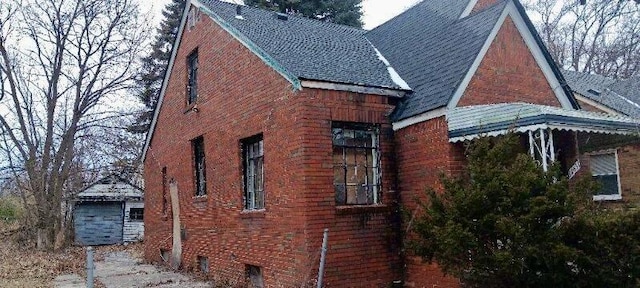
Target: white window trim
column 614, row 196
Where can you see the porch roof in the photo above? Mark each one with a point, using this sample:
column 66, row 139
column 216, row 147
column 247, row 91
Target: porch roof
column 466, row 123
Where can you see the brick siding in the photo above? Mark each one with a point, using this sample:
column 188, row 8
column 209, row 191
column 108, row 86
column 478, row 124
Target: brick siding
column 508, row 73
column 240, row 96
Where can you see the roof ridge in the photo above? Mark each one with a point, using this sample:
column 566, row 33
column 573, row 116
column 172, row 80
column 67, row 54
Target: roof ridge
column 299, row 16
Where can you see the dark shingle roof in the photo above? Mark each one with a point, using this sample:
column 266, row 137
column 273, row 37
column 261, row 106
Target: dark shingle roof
column 308, row 48
column 432, row 49
column 620, row 95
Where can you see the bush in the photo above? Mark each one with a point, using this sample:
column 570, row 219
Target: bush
column 506, row 223
column 9, row 209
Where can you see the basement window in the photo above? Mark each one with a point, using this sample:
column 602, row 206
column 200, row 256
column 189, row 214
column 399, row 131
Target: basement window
column 356, row 164
column 254, row 276
column 605, row 170
column 136, row 214
column 164, row 255
column 199, row 166
column 203, row 264
column 192, row 77
column 253, row 172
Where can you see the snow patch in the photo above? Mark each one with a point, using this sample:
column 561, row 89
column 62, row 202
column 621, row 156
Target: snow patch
column 395, row 77
column 239, row 17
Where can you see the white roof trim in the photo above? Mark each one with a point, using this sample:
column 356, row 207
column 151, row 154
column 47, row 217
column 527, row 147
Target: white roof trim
column 599, row 106
column 469, row 8
column 419, row 118
column 165, row 81
column 352, row 88
column 536, row 51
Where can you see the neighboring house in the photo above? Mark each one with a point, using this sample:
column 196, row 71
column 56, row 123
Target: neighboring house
column 271, row 128
column 617, row 165
column 109, row 211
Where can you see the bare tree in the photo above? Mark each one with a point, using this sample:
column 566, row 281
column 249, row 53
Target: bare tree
column 61, row 61
column 601, row 36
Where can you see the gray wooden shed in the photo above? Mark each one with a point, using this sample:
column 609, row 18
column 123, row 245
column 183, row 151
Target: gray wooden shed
column 109, row 211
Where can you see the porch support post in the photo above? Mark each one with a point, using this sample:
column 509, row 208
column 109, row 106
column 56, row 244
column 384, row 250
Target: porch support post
column 552, row 149
column 531, row 144
column 543, row 151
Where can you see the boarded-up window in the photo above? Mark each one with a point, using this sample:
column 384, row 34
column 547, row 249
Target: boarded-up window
column 356, row 166
column 604, row 168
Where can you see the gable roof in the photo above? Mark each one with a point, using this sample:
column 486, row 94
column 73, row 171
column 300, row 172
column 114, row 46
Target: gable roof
column 623, row 96
column 112, row 187
column 307, row 48
column 434, row 45
column 433, row 50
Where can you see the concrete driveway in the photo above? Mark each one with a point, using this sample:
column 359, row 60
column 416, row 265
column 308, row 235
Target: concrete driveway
column 121, row 269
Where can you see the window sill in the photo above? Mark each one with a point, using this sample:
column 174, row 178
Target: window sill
column 200, row 199
column 253, row 214
column 607, row 197
column 359, row 209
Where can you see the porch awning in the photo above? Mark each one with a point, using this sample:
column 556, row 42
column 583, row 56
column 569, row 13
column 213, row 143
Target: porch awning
column 466, row 123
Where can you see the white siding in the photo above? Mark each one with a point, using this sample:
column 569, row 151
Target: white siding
column 133, row 230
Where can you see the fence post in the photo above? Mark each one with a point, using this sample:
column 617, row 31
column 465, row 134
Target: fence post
column 90, row 267
column 323, row 256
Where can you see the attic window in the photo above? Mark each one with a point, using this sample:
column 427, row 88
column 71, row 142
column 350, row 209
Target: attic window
column 594, row 92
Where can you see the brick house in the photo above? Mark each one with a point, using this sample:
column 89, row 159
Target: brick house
column 618, row 97
column 273, row 127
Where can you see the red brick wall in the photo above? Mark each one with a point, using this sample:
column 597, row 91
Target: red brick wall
column 508, row 73
column 481, row 4
column 239, row 96
column 363, row 247
column 629, row 163
column 423, row 153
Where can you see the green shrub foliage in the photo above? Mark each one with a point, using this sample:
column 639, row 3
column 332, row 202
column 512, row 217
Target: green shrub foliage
column 506, row 223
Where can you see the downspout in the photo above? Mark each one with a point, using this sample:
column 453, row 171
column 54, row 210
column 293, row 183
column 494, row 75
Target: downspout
column 396, row 217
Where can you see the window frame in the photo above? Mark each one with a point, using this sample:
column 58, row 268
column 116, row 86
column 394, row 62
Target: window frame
column 603, row 197
column 250, row 162
column 199, row 179
column 141, row 219
column 192, row 77
column 376, row 169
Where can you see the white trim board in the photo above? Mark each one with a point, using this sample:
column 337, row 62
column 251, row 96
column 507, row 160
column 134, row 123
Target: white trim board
column 512, row 11
column 597, row 105
column 352, row 88
column 469, row 8
column 419, row 118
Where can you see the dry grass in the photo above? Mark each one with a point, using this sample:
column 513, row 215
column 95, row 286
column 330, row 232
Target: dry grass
column 22, row 266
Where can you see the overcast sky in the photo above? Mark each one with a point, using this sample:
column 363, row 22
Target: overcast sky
column 376, row 12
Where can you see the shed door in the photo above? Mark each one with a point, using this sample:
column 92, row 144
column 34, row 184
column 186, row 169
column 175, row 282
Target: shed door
column 98, row 223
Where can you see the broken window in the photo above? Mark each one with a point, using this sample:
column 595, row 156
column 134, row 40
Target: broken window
column 164, row 191
column 136, row 214
column 254, row 276
column 253, row 154
column 199, row 166
column 356, row 164
column 192, row 75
